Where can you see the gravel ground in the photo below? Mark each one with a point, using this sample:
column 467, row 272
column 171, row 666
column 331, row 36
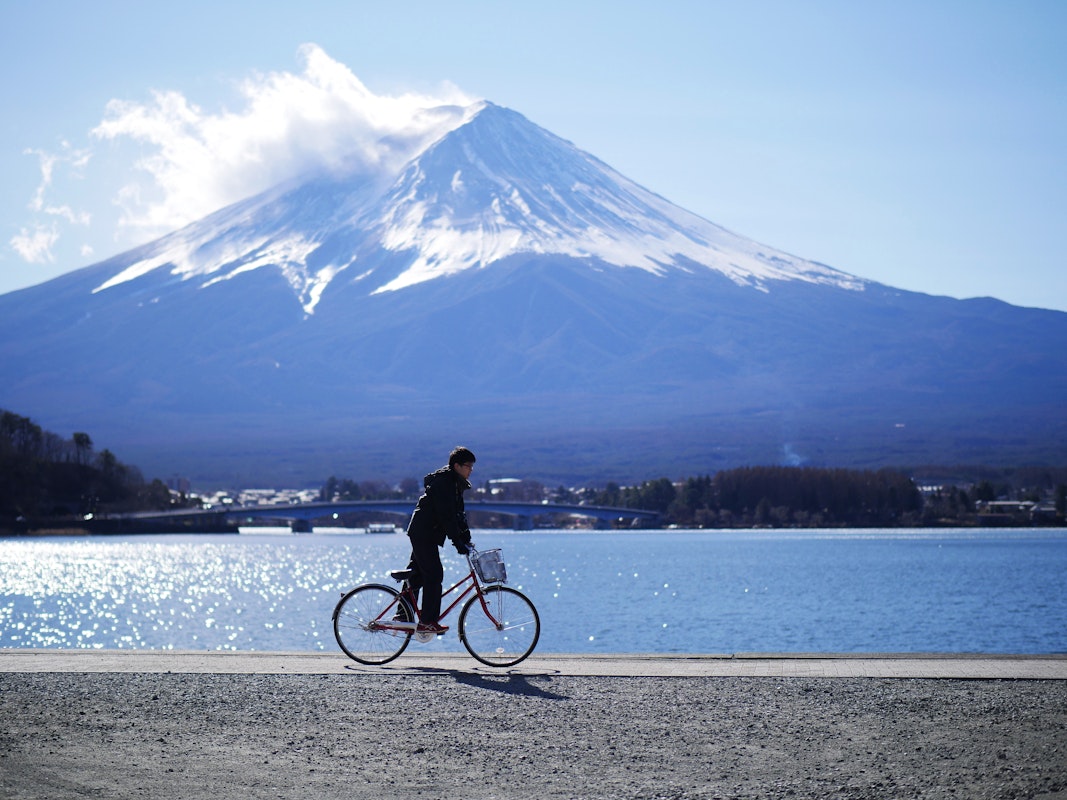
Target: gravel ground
column 453, row 734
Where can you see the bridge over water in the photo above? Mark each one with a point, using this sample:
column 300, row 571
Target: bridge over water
column 300, row 516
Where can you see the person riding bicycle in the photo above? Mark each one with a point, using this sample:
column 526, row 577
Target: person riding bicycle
column 438, row 514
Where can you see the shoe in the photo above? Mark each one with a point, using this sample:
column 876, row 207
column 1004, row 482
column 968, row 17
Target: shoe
column 431, row 627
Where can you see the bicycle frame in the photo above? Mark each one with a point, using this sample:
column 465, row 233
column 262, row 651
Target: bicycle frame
column 384, row 623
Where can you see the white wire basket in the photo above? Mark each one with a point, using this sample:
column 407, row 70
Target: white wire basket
column 490, row 566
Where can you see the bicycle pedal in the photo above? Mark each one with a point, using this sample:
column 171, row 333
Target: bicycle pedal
column 425, row 636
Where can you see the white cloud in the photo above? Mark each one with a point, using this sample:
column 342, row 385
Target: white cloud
column 322, row 118
column 67, row 213
column 35, row 245
column 75, row 159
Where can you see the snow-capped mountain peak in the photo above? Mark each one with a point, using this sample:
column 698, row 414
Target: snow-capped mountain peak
column 492, row 185
column 499, row 185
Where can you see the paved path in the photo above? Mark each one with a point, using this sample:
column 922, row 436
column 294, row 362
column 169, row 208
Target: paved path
column 822, row 665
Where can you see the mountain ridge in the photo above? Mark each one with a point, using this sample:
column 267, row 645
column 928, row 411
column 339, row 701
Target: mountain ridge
column 364, row 319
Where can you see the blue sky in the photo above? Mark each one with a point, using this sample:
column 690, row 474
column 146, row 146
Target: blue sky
column 919, row 144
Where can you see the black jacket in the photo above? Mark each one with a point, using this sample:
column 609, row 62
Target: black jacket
column 440, row 512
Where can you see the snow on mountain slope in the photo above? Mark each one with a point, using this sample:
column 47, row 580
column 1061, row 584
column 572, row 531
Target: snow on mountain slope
column 283, row 229
column 492, row 186
column 499, row 185
column 286, row 228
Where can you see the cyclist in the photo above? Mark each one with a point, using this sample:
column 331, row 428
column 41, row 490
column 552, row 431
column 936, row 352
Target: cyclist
column 438, row 514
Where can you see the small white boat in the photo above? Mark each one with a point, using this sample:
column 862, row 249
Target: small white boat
column 382, row 527
column 264, row 530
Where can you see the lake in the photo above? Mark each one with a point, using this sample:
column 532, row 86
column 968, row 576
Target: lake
column 953, row 590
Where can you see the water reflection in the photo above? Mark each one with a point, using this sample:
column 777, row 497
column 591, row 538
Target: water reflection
column 606, row 592
column 220, row 593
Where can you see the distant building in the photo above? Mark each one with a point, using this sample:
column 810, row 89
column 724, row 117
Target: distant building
column 180, row 485
column 1005, row 512
column 516, row 489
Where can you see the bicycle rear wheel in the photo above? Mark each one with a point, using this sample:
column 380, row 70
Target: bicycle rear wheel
column 356, row 618
column 509, row 635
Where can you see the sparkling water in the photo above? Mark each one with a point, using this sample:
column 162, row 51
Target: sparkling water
column 990, row 591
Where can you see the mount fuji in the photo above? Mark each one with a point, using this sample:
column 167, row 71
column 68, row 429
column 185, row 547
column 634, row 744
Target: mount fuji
column 505, row 290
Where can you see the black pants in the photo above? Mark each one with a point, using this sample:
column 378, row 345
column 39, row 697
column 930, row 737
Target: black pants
column 426, row 561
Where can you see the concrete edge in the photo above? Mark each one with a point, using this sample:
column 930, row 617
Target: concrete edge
column 970, row 666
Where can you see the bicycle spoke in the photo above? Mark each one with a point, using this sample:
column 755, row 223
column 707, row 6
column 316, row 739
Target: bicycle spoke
column 505, row 638
column 358, row 620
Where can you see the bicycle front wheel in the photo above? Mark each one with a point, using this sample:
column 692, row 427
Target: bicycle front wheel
column 503, row 631
column 357, row 619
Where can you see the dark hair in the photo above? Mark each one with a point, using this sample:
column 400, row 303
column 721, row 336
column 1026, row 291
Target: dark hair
column 461, row 455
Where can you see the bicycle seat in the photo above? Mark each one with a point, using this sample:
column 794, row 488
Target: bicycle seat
column 401, row 575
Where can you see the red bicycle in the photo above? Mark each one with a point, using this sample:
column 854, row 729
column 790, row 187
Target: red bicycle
column 499, row 626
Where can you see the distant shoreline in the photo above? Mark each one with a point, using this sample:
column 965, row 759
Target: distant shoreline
column 360, row 531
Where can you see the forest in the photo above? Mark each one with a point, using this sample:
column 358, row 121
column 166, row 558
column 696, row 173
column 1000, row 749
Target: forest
column 815, row 497
column 45, row 476
column 778, row 497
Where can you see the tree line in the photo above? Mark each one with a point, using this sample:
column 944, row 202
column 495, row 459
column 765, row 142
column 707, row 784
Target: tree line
column 46, row 476
column 347, row 489
column 775, row 497
column 779, row 497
